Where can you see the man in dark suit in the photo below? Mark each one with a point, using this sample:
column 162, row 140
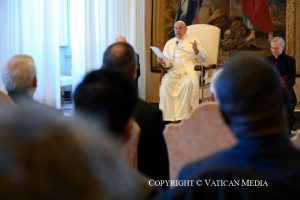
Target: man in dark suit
column 152, row 151
column 251, row 101
column 286, row 66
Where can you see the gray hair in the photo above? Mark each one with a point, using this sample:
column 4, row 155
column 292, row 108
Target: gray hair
column 278, row 39
column 18, row 74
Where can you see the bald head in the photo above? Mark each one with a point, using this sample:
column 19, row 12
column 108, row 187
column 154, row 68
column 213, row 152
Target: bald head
column 180, row 29
column 251, row 96
column 121, row 56
column 19, row 74
column 121, row 39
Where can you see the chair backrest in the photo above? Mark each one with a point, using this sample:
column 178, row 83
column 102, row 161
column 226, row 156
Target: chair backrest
column 129, row 149
column 209, row 36
column 199, row 136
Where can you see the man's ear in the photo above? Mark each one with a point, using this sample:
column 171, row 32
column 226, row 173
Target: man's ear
column 127, row 130
column 134, row 73
column 34, row 81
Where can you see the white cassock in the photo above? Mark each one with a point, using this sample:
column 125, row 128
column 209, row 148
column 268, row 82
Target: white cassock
column 179, row 90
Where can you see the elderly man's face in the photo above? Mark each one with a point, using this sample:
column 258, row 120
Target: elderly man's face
column 276, row 48
column 180, row 30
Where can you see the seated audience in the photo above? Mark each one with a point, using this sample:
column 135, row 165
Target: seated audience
column 20, row 81
column 152, row 151
column 252, row 101
column 110, row 98
column 46, row 157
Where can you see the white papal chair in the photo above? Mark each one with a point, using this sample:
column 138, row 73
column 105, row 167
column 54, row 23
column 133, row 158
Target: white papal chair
column 209, row 36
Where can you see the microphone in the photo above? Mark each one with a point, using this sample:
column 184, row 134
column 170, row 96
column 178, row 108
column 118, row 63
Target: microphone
column 177, row 43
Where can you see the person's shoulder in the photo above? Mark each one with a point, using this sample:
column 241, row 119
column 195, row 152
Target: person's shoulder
column 289, row 57
column 171, row 41
column 268, row 57
column 45, row 108
column 221, row 159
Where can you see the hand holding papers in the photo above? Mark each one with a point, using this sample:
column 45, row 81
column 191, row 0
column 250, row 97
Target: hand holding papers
column 162, row 58
column 160, row 54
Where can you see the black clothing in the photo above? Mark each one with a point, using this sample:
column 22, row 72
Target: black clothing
column 152, row 151
column 286, row 66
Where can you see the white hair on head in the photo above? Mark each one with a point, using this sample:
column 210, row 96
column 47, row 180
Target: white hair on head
column 180, row 22
column 18, row 74
column 278, row 39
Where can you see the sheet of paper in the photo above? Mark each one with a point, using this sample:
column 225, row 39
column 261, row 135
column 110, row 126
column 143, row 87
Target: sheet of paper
column 160, row 54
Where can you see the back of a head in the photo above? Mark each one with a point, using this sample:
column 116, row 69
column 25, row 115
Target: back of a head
column 251, row 97
column 42, row 158
column 47, row 157
column 120, row 56
column 18, row 74
column 107, row 95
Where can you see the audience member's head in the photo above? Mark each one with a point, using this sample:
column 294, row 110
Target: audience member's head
column 19, row 75
column 120, row 39
column 46, row 157
column 109, row 96
column 277, row 46
column 251, row 97
column 121, row 56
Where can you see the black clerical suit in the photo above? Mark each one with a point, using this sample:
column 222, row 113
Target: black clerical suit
column 287, row 69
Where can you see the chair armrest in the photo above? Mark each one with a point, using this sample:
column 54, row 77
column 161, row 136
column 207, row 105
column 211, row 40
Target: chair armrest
column 210, row 66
